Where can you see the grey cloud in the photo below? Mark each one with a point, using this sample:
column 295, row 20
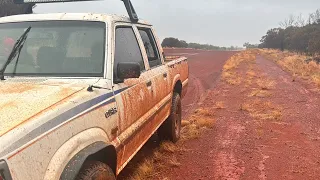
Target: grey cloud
column 218, row 22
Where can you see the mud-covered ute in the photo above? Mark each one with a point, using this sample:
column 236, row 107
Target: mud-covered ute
column 81, row 93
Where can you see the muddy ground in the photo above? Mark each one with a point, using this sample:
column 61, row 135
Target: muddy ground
column 279, row 140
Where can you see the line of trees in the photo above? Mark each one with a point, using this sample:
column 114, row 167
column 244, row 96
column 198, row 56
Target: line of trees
column 174, row 42
column 7, row 8
column 295, row 34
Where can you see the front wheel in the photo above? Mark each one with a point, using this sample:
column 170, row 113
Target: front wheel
column 170, row 129
column 95, row 170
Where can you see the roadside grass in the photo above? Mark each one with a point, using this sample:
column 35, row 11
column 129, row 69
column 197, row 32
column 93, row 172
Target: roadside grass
column 295, row 64
column 265, row 84
column 203, row 112
column 251, row 74
column 260, row 93
column 201, row 119
column 158, row 161
column 145, row 170
column 164, row 156
column 219, row 105
column 264, row 110
column 229, row 73
column 174, row 162
column 231, row 78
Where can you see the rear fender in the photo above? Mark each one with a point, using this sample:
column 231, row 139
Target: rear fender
column 93, row 139
column 175, row 80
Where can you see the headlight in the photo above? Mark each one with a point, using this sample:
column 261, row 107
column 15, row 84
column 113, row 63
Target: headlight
column 4, row 171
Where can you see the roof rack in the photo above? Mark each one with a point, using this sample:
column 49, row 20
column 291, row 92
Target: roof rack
column 127, row 3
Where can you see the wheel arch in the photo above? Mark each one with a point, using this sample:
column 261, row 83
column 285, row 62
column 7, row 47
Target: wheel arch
column 98, row 151
column 177, row 85
column 69, row 158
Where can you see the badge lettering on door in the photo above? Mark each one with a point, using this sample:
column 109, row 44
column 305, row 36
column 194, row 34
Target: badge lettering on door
column 111, row 112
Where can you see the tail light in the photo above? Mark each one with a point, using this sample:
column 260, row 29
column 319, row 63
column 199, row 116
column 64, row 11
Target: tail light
column 4, row 171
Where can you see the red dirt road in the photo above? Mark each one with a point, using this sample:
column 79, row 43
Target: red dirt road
column 205, row 68
column 241, row 146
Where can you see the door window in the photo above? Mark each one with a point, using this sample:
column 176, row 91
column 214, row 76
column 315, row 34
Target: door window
column 150, row 46
column 126, row 48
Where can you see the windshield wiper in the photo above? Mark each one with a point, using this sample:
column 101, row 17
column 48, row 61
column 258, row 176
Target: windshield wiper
column 15, row 50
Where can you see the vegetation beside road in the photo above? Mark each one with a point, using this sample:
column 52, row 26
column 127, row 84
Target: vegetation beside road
column 295, row 34
column 176, row 43
column 164, row 156
column 298, row 65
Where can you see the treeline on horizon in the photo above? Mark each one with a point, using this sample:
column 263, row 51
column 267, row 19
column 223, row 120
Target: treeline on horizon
column 295, row 34
column 171, row 42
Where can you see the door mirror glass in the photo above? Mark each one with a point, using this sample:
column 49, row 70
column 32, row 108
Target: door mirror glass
column 126, row 70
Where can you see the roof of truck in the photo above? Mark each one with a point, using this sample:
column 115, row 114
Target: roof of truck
column 69, row 16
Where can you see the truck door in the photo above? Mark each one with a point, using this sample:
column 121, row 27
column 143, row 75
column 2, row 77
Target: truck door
column 133, row 96
column 159, row 74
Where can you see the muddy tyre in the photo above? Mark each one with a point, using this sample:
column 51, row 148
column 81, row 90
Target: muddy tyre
column 95, row 170
column 170, row 129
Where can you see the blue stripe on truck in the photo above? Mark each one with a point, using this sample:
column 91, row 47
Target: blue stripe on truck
column 51, row 124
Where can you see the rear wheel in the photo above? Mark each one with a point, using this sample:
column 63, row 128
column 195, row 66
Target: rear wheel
column 170, row 129
column 95, row 170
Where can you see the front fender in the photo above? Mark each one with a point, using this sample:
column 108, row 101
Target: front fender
column 72, row 147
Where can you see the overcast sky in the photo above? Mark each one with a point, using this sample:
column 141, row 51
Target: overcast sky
column 217, row 22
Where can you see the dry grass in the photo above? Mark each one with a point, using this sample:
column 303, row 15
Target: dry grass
column 219, row 105
column 229, row 73
column 231, row 78
column 145, row 170
column 202, row 118
column 165, row 154
column 251, row 74
column 185, row 123
column 168, row 147
column 203, row 112
column 266, row 84
column 262, row 110
column 206, row 122
column 174, row 161
column 162, row 156
column 260, row 93
column 316, row 79
column 296, row 64
column 190, row 132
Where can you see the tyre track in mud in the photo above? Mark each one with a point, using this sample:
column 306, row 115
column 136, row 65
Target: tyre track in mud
column 241, row 146
column 205, row 68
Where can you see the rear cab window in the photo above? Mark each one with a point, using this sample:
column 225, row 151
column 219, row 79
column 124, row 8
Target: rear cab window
column 150, row 47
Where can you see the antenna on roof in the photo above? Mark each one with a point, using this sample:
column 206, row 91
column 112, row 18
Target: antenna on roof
column 131, row 12
column 127, row 3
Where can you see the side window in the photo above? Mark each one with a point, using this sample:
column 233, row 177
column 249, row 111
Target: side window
column 150, row 46
column 127, row 48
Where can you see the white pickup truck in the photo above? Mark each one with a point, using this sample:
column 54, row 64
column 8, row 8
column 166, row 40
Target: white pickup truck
column 80, row 94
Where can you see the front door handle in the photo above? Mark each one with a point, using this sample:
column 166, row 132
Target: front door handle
column 165, row 75
column 149, row 83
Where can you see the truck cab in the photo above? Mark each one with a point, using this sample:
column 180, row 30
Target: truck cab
column 83, row 93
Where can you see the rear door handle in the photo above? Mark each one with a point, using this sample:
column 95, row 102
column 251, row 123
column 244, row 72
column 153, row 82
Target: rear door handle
column 165, row 75
column 149, row 83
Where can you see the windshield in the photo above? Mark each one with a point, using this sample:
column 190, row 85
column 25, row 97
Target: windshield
column 55, row 48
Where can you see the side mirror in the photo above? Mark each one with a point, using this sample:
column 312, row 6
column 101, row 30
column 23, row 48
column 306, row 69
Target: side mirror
column 126, row 70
